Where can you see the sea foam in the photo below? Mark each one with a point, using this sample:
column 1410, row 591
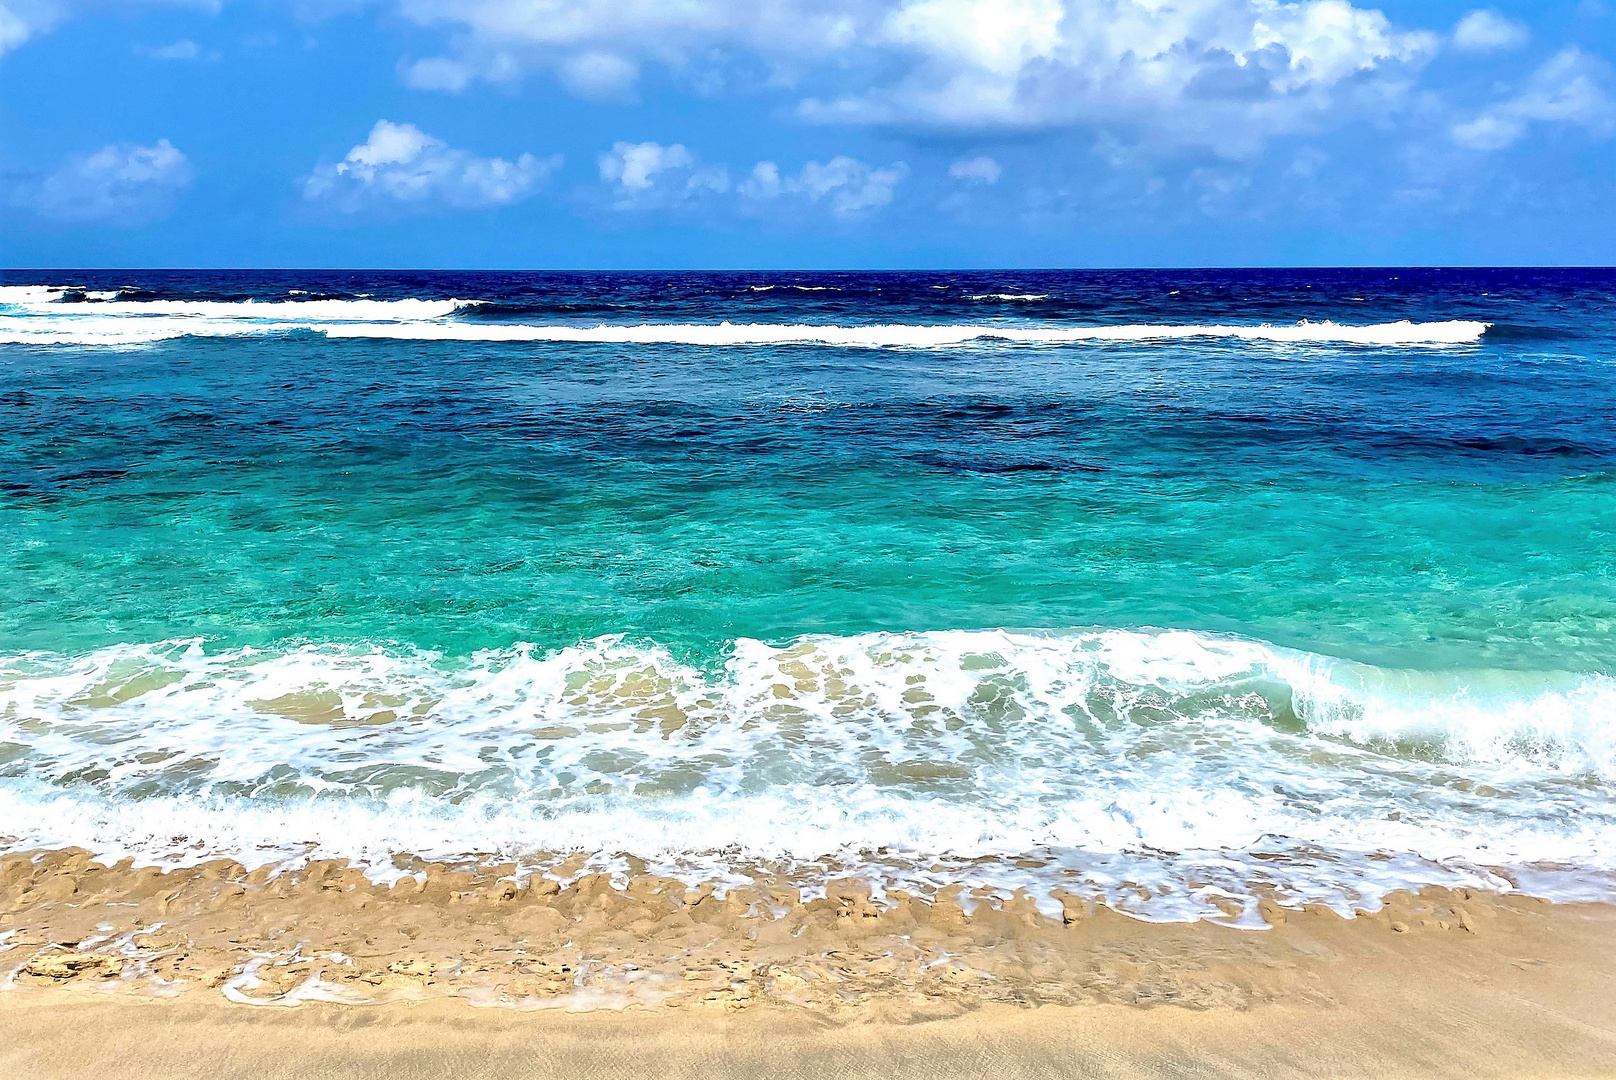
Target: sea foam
column 1146, row 760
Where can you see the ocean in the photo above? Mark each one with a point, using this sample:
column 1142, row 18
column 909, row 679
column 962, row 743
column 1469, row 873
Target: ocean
column 1172, row 589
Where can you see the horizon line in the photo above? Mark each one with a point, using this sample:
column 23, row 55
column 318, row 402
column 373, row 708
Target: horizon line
column 797, row 270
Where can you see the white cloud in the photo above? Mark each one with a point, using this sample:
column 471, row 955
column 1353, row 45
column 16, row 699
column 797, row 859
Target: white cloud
column 764, row 182
column 179, row 51
column 1213, row 71
column 620, row 35
column 1326, row 41
column 1219, row 72
column 1485, row 30
column 21, row 20
column 846, row 185
column 648, row 174
column 634, row 165
column 976, row 170
column 438, row 73
column 599, row 76
column 850, row 186
column 399, row 165
column 1000, row 38
column 1568, row 89
column 24, row 19
column 122, row 184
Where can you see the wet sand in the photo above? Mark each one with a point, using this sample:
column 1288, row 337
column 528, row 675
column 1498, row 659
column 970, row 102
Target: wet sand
column 218, row 971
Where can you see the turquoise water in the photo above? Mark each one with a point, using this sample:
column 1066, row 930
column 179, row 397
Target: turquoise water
column 1432, row 518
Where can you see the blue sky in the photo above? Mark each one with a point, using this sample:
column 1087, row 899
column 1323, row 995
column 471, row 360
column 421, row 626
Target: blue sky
column 790, row 133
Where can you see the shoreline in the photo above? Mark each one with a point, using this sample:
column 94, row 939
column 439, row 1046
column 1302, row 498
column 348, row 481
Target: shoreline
column 328, row 974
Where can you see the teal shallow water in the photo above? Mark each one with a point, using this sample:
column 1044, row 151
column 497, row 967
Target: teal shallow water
column 468, row 498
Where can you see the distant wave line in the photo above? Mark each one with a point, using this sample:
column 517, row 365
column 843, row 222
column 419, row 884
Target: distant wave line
column 116, row 330
column 1010, row 296
column 48, row 302
column 900, row 334
column 40, row 318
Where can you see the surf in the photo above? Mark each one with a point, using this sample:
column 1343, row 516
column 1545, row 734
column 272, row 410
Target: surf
column 1034, row 758
column 422, row 324
column 38, row 315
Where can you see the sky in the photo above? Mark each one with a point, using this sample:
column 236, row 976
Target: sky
column 805, row 133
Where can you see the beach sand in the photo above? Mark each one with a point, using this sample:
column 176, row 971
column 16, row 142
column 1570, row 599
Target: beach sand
column 220, row 972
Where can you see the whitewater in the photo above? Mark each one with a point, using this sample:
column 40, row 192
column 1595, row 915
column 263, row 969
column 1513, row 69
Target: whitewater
column 1175, row 591
column 1146, row 766
column 39, row 316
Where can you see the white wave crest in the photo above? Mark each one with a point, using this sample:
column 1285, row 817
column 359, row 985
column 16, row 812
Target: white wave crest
column 114, row 332
column 1502, row 718
column 16, row 295
column 47, row 301
column 916, row 336
column 36, row 315
column 23, row 295
column 283, row 311
column 1011, row 296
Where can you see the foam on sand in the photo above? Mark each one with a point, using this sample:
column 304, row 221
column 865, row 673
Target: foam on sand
column 436, row 965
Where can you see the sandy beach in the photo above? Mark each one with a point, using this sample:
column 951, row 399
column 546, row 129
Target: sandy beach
column 218, row 971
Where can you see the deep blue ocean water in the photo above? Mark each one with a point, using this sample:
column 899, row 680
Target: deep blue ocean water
column 967, row 570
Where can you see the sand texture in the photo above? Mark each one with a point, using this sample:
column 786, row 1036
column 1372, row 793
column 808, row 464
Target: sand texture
column 217, row 971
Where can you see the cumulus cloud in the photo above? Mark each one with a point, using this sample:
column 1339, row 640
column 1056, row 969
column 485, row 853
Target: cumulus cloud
column 976, row 170
column 847, row 186
column 634, row 166
column 121, row 184
column 1217, row 72
column 1200, row 68
column 649, row 174
column 1569, row 89
column 400, row 165
column 1486, row 30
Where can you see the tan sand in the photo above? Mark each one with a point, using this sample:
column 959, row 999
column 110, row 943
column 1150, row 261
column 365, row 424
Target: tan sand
column 219, row 972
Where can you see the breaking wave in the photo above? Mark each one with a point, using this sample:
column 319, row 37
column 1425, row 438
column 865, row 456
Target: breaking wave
column 1011, row 296
column 53, row 302
column 32, row 321
column 918, row 336
column 1155, row 758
